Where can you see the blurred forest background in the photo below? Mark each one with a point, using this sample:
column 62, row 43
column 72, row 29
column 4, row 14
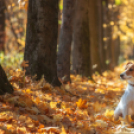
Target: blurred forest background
column 99, row 33
column 13, row 21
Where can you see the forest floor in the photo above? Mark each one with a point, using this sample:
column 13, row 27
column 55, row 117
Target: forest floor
column 83, row 106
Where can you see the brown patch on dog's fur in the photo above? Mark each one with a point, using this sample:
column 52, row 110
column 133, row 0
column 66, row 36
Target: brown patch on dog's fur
column 127, row 65
column 130, row 69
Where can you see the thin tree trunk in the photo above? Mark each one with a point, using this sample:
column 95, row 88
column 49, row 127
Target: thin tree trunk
column 5, row 86
column 94, row 37
column 100, row 31
column 110, row 48
column 81, row 58
column 41, row 39
column 2, row 25
column 117, row 39
column 64, row 50
column 117, row 49
column 105, row 26
column 107, row 34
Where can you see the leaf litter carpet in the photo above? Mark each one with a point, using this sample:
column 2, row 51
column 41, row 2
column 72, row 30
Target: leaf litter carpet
column 82, row 107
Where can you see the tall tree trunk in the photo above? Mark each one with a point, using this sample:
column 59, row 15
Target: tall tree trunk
column 5, row 86
column 117, row 38
column 100, row 31
column 81, row 58
column 110, row 48
column 64, row 50
column 94, row 37
column 2, row 25
column 41, row 39
column 105, row 26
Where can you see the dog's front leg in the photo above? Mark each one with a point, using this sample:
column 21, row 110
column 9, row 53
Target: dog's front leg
column 125, row 112
column 117, row 113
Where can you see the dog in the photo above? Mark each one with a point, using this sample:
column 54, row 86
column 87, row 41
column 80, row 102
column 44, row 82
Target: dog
column 126, row 104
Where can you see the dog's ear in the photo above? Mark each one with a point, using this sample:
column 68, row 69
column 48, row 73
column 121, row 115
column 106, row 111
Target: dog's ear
column 127, row 65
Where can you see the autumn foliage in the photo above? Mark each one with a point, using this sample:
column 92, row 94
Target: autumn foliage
column 84, row 106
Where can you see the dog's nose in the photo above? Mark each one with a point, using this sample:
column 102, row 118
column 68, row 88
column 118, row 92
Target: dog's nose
column 121, row 75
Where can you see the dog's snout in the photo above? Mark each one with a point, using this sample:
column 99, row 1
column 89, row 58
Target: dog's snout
column 121, row 75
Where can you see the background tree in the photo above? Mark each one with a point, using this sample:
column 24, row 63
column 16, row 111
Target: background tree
column 80, row 52
column 94, row 36
column 41, row 39
column 5, row 86
column 116, row 36
column 110, row 26
column 64, row 49
column 110, row 47
column 104, row 32
column 101, row 29
column 2, row 25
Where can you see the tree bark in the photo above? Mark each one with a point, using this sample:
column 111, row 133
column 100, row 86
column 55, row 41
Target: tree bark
column 94, row 37
column 80, row 53
column 110, row 48
column 117, row 49
column 2, row 25
column 64, row 50
column 117, row 38
column 105, row 26
column 5, row 86
column 100, row 32
column 41, row 40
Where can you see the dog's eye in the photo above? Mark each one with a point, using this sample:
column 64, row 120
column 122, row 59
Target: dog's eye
column 130, row 69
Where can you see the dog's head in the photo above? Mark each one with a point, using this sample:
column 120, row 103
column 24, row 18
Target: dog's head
column 128, row 74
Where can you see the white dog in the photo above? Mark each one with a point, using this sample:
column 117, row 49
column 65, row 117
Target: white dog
column 126, row 104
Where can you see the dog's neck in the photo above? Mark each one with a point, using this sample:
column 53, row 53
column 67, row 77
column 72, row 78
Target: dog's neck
column 131, row 83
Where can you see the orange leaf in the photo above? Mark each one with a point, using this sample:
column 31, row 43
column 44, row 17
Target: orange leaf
column 82, row 104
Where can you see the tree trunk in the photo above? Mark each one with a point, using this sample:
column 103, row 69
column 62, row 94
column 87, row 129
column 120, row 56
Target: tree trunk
column 2, row 25
column 110, row 48
column 41, row 39
column 64, row 50
column 100, row 32
column 117, row 38
column 81, row 58
column 94, row 37
column 105, row 26
column 117, row 49
column 5, row 86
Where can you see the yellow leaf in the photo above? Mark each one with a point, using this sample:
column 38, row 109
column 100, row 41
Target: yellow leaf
column 63, row 131
column 53, row 104
column 109, row 113
column 102, row 91
column 82, row 104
